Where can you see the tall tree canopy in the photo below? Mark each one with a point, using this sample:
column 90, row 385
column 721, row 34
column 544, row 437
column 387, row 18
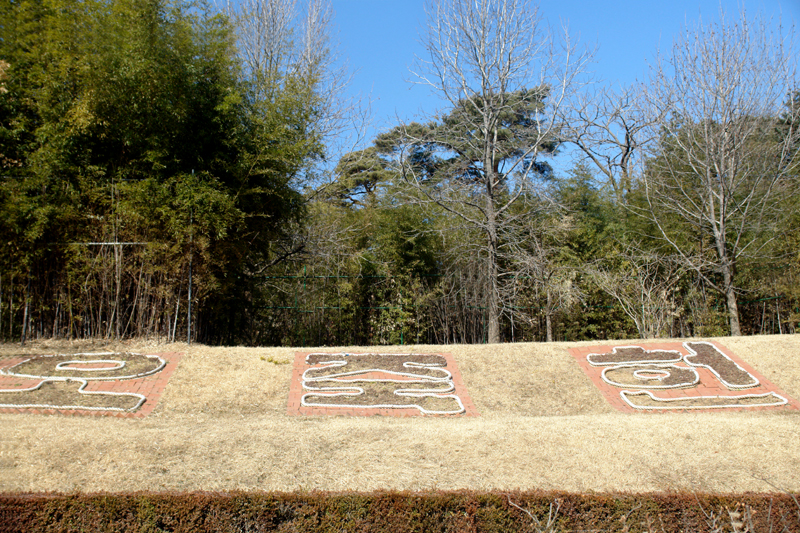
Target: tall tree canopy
column 495, row 64
column 132, row 121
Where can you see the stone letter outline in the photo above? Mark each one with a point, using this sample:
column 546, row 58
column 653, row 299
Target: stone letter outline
column 643, row 364
column 714, row 402
column 634, row 355
column 69, row 370
column 413, row 372
column 668, row 374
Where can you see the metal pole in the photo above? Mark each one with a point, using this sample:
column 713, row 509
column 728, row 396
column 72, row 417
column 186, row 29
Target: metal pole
column 191, row 241
column 189, row 311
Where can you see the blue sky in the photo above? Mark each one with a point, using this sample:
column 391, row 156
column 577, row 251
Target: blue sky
column 379, row 38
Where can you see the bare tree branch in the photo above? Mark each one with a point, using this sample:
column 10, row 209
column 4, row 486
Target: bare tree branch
column 720, row 166
column 611, row 129
column 644, row 285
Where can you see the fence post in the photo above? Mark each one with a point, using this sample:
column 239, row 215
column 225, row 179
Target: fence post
column 402, row 325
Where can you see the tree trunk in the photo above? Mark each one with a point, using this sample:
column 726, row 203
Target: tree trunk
column 11, row 307
column 727, row 268
column 117, row 290
column 548, row 317
column 25, row 313
column 493, row 270
column 730, row 300
column 494, row 305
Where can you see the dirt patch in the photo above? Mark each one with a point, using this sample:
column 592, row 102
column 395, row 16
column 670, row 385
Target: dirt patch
column 390, row 362
column 634, row 354
column 69, row 395
column 646, row 400
column 87, row 366
column 427, row 396
column 730, row 373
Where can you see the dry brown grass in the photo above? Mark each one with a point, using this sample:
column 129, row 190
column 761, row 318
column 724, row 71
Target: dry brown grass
column 222, row 424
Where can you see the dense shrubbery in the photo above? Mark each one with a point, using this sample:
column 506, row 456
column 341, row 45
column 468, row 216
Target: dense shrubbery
column 398, row 512
column 135, row 122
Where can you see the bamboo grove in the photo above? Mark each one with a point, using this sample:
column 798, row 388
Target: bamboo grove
column 158, row 178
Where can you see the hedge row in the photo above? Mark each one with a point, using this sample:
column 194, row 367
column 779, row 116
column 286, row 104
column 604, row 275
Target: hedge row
column 398, row 512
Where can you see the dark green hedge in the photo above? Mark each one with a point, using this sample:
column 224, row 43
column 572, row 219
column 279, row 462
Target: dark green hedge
column 396, row 512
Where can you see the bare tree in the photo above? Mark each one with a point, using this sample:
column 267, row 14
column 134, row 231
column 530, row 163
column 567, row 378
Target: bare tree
column 265, row 29
column 541, row 273
column 644, row 285
column 505, row 78
column 290, row 56
column 720, row 168
column 610, row 129
column 286, row 42
column 281, row 39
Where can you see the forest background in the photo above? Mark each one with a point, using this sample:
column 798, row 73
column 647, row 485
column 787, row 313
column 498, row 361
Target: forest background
column 174, row 169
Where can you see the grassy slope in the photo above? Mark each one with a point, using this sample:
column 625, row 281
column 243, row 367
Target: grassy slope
column 222, row 424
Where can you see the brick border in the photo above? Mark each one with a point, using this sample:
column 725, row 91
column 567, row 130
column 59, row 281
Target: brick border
column 709, row 385
column 295, row 408
column 151, row 387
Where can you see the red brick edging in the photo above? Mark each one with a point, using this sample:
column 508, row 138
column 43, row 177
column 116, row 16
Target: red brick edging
column 151, row 387
column 709, row 385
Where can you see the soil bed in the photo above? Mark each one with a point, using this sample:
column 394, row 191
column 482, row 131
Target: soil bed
column 377, row 393
column 726, row 369
column 64, row 394
column 46, row 366
column 644, row 400
column 392, row 363
column 634, row 354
